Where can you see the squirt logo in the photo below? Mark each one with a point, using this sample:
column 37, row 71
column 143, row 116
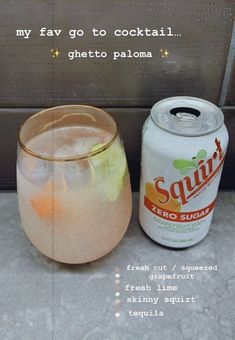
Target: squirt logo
column 196, row 173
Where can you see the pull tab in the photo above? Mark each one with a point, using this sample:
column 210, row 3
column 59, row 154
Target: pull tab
column 186, row 118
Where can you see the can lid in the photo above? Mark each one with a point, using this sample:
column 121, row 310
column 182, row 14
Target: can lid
column 187, row 116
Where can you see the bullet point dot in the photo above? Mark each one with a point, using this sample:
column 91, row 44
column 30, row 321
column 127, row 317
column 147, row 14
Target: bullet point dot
column 117, row 315
column 117, row 294
column 117, row 275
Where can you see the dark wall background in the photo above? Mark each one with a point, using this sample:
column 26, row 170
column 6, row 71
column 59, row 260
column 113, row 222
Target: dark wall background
column 201, row 63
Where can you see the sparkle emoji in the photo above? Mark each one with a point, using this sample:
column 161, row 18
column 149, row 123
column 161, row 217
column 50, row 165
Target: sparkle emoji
column 55, row 53
column 164, row 53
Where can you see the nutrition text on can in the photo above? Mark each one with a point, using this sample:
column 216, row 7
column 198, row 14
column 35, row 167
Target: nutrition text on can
column 184, row 142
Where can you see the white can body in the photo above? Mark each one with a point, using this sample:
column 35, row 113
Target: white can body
column 180, row 177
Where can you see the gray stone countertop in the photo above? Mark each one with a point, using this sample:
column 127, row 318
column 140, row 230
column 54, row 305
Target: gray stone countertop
column 41, row 299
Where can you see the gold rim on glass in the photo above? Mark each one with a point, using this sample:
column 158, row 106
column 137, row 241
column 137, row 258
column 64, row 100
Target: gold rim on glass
column 73, row 158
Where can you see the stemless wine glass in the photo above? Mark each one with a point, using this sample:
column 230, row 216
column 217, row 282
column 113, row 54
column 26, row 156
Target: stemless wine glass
column 73, row 183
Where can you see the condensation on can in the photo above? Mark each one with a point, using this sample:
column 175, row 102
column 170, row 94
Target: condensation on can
column 184, row 142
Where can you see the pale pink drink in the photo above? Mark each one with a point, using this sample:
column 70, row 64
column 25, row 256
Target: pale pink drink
column 73, row 183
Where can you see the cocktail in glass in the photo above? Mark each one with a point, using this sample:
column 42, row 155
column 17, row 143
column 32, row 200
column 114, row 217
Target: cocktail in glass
column 73, row 183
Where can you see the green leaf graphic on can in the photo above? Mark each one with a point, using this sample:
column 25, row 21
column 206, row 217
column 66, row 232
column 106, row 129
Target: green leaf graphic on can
column 201, row 154
column 185, row 165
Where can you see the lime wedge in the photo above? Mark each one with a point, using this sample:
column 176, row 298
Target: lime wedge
column 108, row 168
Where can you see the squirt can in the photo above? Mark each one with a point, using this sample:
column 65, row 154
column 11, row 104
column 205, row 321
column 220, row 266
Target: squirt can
column 184, row 141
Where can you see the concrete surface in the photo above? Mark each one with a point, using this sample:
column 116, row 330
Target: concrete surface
column 41, row 299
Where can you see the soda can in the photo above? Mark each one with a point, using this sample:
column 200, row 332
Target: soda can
column 184, row 142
